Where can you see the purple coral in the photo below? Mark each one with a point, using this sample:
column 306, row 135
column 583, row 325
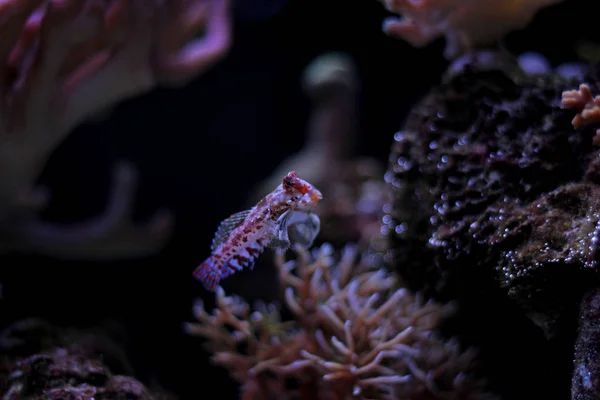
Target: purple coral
column 61, row 63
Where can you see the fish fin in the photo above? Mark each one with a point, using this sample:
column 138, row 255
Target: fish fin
column 305, row 232
column 209, row 273
column 227, row 271
column 296, row 227
column 279, row 243
column 234, row 265
column 251, row 265
column 277, row 237
column 227, row 226
column 294, row 217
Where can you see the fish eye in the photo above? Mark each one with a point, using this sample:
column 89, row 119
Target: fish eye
column 288, row 182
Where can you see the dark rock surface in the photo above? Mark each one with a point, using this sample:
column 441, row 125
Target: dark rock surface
column 40, row 361
column 496, row 205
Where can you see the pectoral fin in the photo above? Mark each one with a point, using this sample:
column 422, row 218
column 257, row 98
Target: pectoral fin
column 297, row 227
column 227, row 226
column 305, row 230
column 280, row 239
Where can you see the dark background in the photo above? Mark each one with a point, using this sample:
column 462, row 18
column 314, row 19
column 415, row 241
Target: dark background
column 200, row 149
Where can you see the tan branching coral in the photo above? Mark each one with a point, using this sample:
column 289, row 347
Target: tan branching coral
column 465, row 23
column 587, row 106
column 355, row 334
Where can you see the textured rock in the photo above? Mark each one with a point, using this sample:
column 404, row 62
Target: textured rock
column 496, row 204
column 40, row 361
column 482, row 175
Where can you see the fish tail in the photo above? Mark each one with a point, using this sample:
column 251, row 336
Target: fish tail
column 209, row 273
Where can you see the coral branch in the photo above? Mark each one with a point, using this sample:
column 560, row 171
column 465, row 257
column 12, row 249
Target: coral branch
column 587, row 107
column 64, row 61
column 177, row 64
column 110, row 235
column 268, row 341
column 355, row 335
column 465, row 23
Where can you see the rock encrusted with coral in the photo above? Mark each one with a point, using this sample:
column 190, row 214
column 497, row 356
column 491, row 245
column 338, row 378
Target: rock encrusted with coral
column 40, row 361
column 496, row 198
column 353, row 334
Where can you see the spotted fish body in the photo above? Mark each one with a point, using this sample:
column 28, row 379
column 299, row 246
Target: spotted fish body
column 242, row 237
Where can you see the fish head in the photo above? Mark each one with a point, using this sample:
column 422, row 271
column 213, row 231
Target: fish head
column 303, row 195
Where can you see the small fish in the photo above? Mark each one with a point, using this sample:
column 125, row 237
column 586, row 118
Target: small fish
column 242, row 237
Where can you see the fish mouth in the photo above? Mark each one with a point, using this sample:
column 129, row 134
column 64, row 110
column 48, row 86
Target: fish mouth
column 316, row 196
column 309, row 200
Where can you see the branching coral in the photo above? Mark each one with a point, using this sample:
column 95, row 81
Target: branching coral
column 354, row 335
column 465, row 23
column 587, row 106
column 63, row 61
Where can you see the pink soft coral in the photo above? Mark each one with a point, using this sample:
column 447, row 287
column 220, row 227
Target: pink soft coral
column 587, row 106
column 464, row 23
column 63, row 62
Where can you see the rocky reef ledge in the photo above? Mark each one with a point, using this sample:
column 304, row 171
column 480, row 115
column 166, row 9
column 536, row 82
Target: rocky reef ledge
column 497, row 205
